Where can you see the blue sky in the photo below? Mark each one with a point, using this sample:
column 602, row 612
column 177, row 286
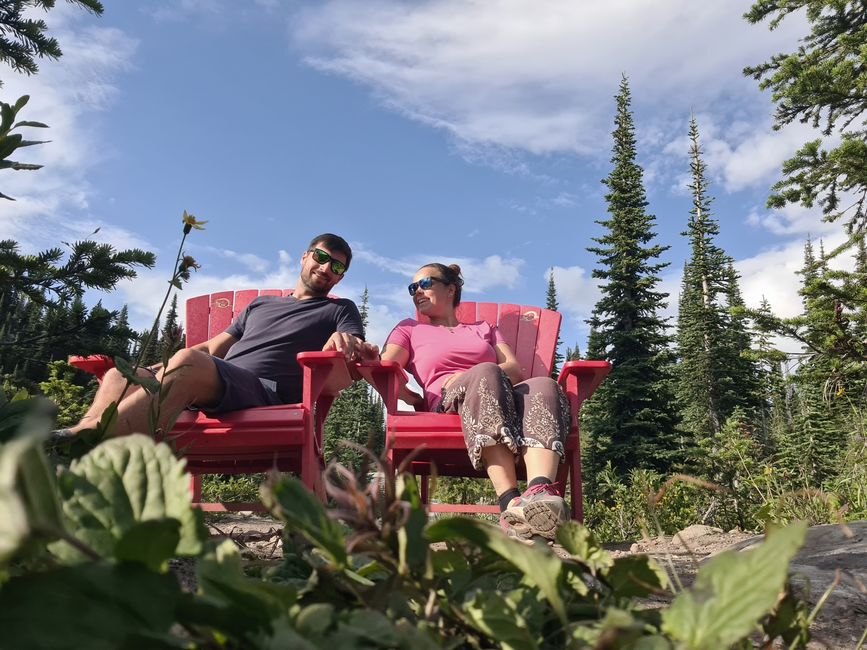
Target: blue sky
column 435, row 130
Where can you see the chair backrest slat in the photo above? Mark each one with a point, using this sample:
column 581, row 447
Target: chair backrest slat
column 196, row 322
column 487, row 311
column 510, row 316
column 221, row 312
column 546, row 342
column 466, row 312
column 242, row 300
column 271, row 292
column 525, row 346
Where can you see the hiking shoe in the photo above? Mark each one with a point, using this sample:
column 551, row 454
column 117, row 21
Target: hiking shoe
column 540, row 508
column 515, row 529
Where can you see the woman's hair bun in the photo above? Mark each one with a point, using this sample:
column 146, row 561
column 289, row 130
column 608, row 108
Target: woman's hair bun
column 455, row 268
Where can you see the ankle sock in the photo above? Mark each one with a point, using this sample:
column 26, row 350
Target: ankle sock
column 539, row 480
column 506, row 497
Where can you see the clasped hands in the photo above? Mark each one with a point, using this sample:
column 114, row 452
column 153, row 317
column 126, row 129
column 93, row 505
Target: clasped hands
column 352, row 347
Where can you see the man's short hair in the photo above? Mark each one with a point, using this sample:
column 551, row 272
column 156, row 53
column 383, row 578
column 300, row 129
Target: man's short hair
column 335, row 243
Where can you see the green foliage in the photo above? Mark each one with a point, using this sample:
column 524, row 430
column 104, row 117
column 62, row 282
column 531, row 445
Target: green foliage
column 11, row 142
column 815, row 85
column 732, row 591
column 24, row 39
column 43, row 279
column 221, row 488
column 631, row 420
column 71, row 399
column 371, row 572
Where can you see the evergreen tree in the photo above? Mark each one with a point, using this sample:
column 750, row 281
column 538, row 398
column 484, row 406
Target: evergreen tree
column 715, row 375
column 171, row 334
column 631, row 419
column 355, row 416
column 551, row 303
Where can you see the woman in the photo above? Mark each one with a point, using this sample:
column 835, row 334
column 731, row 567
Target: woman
column 469, row 369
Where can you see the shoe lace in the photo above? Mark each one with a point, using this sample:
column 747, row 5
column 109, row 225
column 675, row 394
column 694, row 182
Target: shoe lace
column 547, row 488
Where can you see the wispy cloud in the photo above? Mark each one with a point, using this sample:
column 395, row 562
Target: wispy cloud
column 504, row 74
column 53, row 203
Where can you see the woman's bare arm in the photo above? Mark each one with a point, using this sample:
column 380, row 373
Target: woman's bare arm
column 507, row 360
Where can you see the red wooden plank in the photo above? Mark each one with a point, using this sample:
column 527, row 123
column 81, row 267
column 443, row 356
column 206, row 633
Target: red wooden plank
column 466, row 312
column 196, row 321
column 221, row 312
column 525, row 345
column 508, row 323
column 288, row 292
column 242, row 299
column 271, row 292
column 487, row 311
column 546, row 342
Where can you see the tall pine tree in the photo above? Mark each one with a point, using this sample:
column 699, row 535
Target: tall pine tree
column 551, row 303
column 355, row 416
column 631, row 420
column 714, row 375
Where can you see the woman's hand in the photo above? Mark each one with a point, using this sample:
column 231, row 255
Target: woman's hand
column 410, row 397
column 451, row 379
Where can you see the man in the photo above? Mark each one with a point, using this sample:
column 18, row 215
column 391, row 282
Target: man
column 252, row 363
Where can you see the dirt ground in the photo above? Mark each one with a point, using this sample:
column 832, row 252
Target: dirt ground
column 838, row 626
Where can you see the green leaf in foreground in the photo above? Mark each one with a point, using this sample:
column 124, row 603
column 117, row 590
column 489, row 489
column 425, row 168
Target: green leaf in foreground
column 93, row 606
column 290, row 501
column 497, row 618
column 28, row 494
column 732, row 592
column 540, row 568
column 121, row 483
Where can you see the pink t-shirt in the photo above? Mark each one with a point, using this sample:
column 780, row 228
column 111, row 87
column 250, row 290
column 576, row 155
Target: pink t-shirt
column 436, row 352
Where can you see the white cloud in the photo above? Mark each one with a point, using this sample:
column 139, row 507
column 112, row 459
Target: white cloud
column 251, row 261
column 507, row 73
column 577, row 291
column 53, row 202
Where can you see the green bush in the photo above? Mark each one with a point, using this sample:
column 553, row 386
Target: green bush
column 92, row 544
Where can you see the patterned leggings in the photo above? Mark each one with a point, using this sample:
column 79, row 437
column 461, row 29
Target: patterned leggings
column 534, row 413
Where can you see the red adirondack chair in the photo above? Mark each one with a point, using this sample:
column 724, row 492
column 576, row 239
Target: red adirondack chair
column 288, row 437
column 532, row 333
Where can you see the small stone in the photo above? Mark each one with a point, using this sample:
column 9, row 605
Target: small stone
column 635, row 548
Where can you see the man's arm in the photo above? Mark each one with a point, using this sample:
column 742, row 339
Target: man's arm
column 217, row 346
column 352, row 346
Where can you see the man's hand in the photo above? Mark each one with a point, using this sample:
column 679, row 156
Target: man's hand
column 352, row 347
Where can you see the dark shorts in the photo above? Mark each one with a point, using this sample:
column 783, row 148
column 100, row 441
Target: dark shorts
column 242, row 389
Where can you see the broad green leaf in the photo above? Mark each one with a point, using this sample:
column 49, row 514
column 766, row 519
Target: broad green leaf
column 290, row 501
column 281, row 637
column 93, row 606
column 540, row 568
column 28, row 494
column 369, row 626
column 412, row 546
column 583, row 547
column 636, row 576
column 497, row 618
column 315, row 619
column 252, row 604
column 151, row 542
column 123, row 482
column 733, row 592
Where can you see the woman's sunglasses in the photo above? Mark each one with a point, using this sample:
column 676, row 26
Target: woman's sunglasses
column 321, row 257
column 424, row 283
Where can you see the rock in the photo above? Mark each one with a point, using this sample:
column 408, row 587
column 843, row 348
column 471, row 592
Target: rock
column 635, row 548
column 695, row 531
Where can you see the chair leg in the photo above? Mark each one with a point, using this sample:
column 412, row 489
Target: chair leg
column 425, row 488
column 575, row 484
column 196, row 487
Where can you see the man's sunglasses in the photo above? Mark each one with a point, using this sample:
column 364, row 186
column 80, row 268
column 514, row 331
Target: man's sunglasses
column 321, row 257
column 424, row 283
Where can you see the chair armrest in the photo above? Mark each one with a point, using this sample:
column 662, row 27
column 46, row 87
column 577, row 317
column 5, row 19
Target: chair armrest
column 94, row 364
column 579, row 380
column 386, row 377
column 324, row 374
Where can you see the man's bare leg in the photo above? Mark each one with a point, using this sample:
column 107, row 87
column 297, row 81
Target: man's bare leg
column 195, row 381
column 110, row 390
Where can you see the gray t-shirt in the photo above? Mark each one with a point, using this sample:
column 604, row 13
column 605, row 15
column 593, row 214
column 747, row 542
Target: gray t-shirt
column 273, row 329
